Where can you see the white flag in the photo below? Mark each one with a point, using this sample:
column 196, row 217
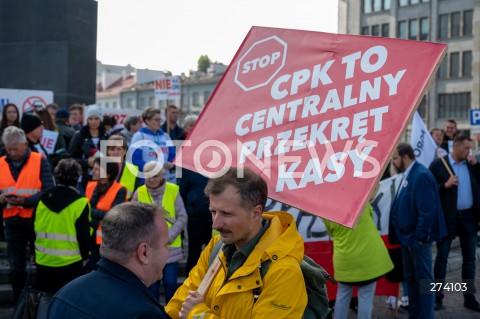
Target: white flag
column 424, row 147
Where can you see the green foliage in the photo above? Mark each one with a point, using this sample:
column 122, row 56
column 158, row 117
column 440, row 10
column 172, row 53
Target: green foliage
column 203, row 63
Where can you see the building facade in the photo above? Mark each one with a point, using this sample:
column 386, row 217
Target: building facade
column 49, row 45
column 133, row 89
column 456, row 87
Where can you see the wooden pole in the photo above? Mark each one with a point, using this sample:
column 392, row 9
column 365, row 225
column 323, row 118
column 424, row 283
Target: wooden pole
column 210, row 275
column 445, row 164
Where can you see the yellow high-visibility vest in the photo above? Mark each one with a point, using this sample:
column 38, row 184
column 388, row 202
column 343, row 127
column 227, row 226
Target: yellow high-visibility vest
column 168, row 203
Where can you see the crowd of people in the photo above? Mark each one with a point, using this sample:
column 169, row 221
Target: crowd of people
column 121, row 218
column 54, row 203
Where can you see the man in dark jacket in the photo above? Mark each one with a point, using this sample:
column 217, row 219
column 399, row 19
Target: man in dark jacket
column 460, row 196
column 63, row 126
column 416, row 217
column 199, row 225
column 134, row 251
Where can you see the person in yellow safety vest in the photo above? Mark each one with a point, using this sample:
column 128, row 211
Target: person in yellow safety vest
column 162, row 193
column 103, row 193
column 25, row 175
column 128, row 173
column 62, row 230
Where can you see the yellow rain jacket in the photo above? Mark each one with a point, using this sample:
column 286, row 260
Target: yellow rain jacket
column 283, row 293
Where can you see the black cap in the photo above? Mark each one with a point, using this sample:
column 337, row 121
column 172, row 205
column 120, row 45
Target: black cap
column 29, row 123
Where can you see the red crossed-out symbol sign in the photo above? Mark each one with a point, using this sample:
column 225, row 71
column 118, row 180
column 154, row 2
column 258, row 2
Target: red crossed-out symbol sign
column 32, row 103
column 262, row 61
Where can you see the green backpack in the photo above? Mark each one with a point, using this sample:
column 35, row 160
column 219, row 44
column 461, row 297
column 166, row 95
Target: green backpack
column 315, row 282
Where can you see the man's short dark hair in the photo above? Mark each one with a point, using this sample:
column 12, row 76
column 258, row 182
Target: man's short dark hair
column 109, row 120
column 127, row 225
column 252, row 188
column 129, row 121
column 460, row 138
column 67, row 172
column 405, row 149
column 452, row 121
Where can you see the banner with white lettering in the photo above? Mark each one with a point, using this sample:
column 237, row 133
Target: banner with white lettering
column 424, row 147
column 316, row 114
column 49, row 140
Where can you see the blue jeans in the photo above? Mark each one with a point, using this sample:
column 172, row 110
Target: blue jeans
column 417, row 270
column 170, row 285
column 467, row 232
column 18, row 233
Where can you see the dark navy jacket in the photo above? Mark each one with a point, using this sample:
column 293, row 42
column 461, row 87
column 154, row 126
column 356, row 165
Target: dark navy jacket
column 416, row 213
column 448, row 196
column 112, row 291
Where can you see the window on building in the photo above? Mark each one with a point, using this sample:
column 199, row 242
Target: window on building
column 387, row 4
column 454, row 65
column 422, row 107
column 184, row 100
column 414, row 1
column 424, row 28
column 413, row 29
column 467, row 63
column 151, row 101
column 142, row 102
column 365, row 31
column 130, row 103
column 206, row 96
column 375, row 30
column 402, row 3
column 443, row 26
column 467, row 22
column 195, row 99
column 114, row 104
column 454, row 105
column 385, row 30
column 107, row 104
column 402, row 30
column 370, row 6
column 442, row 69
column 367, row 6
column 455, row 25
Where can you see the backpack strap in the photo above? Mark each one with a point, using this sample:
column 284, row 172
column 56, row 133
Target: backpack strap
column 214, row 252
column 263, row 267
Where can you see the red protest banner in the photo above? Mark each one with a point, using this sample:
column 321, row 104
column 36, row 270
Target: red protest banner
column 316, row 114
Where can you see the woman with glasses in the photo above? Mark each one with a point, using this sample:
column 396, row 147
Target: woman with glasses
column 151, row 143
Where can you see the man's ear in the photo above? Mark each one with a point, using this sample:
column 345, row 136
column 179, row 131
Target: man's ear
column 257, row 212
column 143, row 252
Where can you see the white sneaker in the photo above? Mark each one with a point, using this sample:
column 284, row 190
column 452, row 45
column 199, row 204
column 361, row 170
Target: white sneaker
column 390, row 301
column 404, row 301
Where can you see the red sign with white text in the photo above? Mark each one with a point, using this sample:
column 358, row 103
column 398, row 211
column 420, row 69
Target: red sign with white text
column 316, row 114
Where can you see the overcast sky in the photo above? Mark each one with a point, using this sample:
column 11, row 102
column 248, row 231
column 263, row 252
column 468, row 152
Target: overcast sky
column 171, row 35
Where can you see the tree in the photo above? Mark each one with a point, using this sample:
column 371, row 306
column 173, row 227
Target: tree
column 203, row 63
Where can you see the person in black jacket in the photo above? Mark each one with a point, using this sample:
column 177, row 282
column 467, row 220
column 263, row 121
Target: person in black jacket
column 199, row 226
column 85, row 144
column 134, row 252
column 460, row 199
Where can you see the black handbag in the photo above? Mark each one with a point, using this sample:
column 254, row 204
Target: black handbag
column 28, row 301
column 27, row 304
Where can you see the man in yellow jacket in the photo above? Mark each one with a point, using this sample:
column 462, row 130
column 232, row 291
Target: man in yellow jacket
column 250, row 238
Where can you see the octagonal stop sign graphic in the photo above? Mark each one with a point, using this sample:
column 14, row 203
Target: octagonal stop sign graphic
column 262, row 61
